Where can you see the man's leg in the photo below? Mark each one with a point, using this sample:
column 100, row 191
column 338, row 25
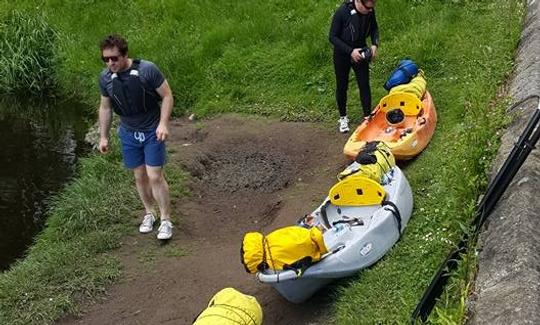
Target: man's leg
column 361, row 71
column 160, row 190
column 143, row 188
column 342, row 66
column 155, row 157
column 133, row 154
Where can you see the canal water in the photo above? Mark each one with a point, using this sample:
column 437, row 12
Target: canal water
column 40, row 143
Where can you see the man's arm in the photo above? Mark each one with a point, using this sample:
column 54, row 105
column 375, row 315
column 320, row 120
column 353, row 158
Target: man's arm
column 105, row 119
column 335, row 32
column 167, row 101
column 374, row 37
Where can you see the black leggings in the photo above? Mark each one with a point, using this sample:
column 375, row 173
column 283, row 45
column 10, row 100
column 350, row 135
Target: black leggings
column 342, row 67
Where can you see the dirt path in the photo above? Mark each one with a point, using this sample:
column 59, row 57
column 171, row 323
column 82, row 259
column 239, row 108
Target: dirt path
column 246, row 174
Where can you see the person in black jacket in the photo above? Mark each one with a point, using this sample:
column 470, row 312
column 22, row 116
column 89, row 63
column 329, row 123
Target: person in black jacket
column 352, row 23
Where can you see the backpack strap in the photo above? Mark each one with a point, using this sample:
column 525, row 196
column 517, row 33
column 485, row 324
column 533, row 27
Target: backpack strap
column 135, row 64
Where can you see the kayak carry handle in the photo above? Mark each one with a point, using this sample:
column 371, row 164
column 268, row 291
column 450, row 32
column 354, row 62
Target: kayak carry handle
column 277, row 277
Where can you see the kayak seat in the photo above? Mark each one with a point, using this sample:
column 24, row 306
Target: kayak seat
column 407, row 103
column 356, row 190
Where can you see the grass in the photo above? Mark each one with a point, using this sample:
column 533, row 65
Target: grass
column 277, row 65
column 27, row 60
column 147, row 257
column 452, row 306
column 70, row 257
column 273, row 59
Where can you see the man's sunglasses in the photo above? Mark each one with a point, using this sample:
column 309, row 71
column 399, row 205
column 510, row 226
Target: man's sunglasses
column 366, row 6
column 113, row 58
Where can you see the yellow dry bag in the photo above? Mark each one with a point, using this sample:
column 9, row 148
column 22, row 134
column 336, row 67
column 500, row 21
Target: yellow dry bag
column 374, row 160
column 290, row 247
column 231, row 307
column 417, row 86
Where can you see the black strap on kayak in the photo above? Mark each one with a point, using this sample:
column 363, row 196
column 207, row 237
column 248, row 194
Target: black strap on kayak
column 495, row 190
column 324, row 215
column 300, row 266
column 395, row 211
column 353, row 222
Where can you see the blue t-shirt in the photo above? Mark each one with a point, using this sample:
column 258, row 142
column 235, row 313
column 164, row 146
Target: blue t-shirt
column 152, row 79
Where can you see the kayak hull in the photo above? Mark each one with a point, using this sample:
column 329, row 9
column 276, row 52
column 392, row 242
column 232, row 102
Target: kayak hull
column 405, row 140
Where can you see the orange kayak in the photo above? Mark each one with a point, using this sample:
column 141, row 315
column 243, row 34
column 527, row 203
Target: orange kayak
column 405, row 123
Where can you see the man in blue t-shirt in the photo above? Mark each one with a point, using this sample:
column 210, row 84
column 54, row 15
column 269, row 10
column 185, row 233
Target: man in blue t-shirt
column 137, row 91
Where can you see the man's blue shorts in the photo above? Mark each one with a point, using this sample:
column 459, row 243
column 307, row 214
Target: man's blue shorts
column 140, row 148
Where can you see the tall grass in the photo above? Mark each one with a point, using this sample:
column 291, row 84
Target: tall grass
column 27, row 54
column 66, row 259
column 69, row 260
column 268, row 58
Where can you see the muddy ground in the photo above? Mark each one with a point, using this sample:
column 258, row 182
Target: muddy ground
column 246, row 174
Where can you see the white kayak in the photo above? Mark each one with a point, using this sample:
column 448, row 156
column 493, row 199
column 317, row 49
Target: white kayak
column 356, row 237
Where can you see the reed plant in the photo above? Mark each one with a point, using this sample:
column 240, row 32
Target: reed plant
column 27, row 54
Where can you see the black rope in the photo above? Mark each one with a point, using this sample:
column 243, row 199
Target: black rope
column 263, row 265
column 354, row 171
column 527, row 141
column 386, row 154
column 266, row 244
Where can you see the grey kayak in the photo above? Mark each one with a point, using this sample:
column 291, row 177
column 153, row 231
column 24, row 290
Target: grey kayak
column 356, row 237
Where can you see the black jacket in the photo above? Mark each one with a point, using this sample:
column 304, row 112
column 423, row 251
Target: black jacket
column 350, row 29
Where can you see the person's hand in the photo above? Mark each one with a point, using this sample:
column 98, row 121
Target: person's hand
column 162, row 132
column 373, row 52
column 103, row 145
column 356, row 55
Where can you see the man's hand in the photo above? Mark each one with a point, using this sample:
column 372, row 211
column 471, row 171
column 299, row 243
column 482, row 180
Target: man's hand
column 162, row 132
column 103, row 145
column 373, row 52
column 356, row 55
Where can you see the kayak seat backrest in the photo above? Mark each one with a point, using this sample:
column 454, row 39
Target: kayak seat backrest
column 356, row 190
column 408, row 103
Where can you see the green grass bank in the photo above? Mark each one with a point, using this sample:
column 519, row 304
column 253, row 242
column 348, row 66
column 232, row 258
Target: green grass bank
column 273, row 59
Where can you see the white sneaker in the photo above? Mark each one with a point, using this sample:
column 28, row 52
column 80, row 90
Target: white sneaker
column 147, row 224
column 165, row 230
column 343, row 124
